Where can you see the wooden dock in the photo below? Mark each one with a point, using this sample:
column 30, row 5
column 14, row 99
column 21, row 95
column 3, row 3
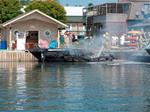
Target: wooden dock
column 16, row 56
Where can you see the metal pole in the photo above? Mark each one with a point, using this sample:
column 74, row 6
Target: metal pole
column 116, row 8
column 106, row 9
column 10, row 37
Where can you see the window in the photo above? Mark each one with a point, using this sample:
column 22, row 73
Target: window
column 15, row 32
column 47, row 33
column 146, row 11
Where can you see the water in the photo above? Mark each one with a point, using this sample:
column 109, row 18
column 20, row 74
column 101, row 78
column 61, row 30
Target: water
column 75, row 87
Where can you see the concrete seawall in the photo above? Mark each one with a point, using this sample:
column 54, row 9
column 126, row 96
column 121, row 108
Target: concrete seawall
column 16, row 56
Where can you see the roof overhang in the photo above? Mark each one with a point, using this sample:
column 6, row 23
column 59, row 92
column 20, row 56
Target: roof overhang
column 140, row 25
column 60, row 24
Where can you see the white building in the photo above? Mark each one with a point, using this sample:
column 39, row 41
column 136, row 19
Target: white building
column 29, row 28
column 75, row 19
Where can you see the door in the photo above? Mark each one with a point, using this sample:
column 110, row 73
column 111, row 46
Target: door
column 20, row 41
column 32, row 39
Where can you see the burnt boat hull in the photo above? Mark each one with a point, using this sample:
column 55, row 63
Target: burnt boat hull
column 59, row 55
column 132, row 55
column 66, row 55
column 148, row 51
column 81, row 55
column 140, row 58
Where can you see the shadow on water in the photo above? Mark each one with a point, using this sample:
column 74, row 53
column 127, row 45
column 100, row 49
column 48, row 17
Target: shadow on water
column 75, row 87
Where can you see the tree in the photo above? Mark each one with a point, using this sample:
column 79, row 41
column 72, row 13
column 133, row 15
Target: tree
column 9, row 9
column 90, row 4
column 49, row 7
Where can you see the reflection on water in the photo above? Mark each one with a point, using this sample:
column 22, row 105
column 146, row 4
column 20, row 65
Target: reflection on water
column 75, row 87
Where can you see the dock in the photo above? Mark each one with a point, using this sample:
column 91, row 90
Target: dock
column 16, row 56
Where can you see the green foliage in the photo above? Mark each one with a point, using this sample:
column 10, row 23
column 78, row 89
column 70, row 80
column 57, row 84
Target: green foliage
column 90, row 4
column 9, row 9
column 49, row 7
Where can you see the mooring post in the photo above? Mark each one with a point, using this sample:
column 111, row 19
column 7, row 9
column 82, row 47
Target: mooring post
column 42, row 56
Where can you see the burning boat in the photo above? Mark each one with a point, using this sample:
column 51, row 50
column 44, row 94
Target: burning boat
column 67, row 55
column 148, row 50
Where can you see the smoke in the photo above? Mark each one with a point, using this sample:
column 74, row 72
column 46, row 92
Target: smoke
column 91, row 47
column 95, row 45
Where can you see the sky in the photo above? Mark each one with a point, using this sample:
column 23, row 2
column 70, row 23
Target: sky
column 84, row 2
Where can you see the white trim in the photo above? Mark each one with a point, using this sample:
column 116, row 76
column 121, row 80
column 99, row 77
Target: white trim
column 29, row 13
column 58, row 34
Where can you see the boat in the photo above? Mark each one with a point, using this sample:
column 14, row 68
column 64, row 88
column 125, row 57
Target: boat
column 66, row 55
column 148, row 50
column 59, row 54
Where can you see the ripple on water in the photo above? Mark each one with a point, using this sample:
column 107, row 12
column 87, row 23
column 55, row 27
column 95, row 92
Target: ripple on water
column 117, row 86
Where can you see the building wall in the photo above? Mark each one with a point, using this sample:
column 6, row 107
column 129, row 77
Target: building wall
column 117, row 28
column 136, row 10
column 75, row 19
column 31, row 25
column 139, row 0
column 116, row 23
column 115, row 17
column 113, row 23
column 76, row 28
